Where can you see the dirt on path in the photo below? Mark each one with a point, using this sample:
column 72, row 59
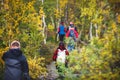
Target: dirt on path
column 52, row 71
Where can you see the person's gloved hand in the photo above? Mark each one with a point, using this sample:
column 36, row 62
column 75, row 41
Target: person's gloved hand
column 26, row 76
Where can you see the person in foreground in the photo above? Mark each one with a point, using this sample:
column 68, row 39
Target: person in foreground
column 60, row 55
column 16, row 66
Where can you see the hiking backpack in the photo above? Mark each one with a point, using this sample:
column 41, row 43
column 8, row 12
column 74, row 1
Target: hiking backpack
column 71, row 34
column 62, row 30
column 61, row 56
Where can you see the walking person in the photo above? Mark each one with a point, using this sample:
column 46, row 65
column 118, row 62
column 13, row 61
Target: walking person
column 72, row 31
column 16, row 66
column 60, row 55
column 71, row 44
column 71, row 35
column 61, row 31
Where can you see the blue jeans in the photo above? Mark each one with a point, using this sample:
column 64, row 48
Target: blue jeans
column 70, row 47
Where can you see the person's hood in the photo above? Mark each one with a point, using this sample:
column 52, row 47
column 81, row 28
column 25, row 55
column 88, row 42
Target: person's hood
column 61, row 48
column 15, row 52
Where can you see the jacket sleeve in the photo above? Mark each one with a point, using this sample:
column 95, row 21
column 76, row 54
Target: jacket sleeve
column 67, row 53
column 24, row 64
column 4, row 56
column 65, row 30
column 76, row 29
column 67, row 34
column 76, row 34
column 25, row 68
column 55, row 55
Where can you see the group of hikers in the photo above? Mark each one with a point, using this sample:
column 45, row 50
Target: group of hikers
column 70, row 31
column 70, row 34
column 16, row 66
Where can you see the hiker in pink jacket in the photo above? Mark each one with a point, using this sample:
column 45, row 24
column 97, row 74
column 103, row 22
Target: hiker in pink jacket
column 72, row 31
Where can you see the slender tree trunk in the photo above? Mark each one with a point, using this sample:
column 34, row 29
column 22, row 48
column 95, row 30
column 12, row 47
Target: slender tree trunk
column 1, row 7
column 96, row 29
column 52, row 20
column 90, row 31
column 44, row 26
column 44, row 29
column 66, row 14
column 2, row 3
column 74, row 10
column 58, row 19
column 57, row 5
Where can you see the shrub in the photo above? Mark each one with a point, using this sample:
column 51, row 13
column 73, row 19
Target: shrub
column 36, row 67
column 95, row 60
column 2, row 50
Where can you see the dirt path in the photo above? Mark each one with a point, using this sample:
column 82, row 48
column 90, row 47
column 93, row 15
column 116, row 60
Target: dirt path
column 52, row 72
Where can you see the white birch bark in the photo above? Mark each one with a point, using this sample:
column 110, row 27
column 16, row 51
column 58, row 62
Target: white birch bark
column 44, row 26
column 52, row 20
column 58, row 20
column 2, row 3
column 90, row 31
column 66, row 14
column 96, row 29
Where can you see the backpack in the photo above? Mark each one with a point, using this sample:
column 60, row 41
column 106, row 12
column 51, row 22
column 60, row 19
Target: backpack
column 62, row 30
column 71, row 34
column 61, row 56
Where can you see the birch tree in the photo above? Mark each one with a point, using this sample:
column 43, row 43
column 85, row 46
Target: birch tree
column 44, row 25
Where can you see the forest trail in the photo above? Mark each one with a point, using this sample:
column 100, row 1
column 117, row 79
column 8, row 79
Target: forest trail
column 52, row 71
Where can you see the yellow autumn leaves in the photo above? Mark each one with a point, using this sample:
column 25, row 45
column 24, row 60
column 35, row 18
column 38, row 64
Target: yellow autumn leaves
column 118, row 18
column 36, row 67
column 2, row 50
column 22, row 22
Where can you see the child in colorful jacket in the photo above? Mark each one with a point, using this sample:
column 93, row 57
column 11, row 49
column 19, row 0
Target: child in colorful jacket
column 60, row 55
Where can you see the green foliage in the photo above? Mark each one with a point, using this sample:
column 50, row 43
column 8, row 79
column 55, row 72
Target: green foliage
column 95, row 60
column 47, row 51
column 36, row 69
column 50, row 27
column 2, row 50
column 20, row 21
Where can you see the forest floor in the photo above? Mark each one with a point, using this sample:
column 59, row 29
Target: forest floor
column 52, row 72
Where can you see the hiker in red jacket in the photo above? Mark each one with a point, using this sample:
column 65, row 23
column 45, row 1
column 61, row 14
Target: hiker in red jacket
column 72, row 31
column 60, row 54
